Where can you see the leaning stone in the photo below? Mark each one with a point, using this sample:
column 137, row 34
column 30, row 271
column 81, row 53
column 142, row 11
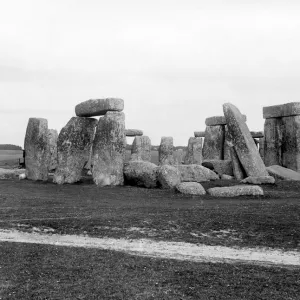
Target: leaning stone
column 179, row 155
column 11, row 173
column 141, row 148
column 133, row 132
column 213, row 142
column 109, row 148
column 36, row 148
column 196, row 173
column 219, row 120
column 168, row 176
column 53, row 136
column 282, row 173
column 98, row 107
column 235, row 191
column 227, row 143
column 141, row 173
column 257, row 134
column 73, row 149
column 219, row 166
column 238, row 170
column 199, row 134
column 259, row 180
column 282, row 110
column 226, row 177
column 190, row 188
column 243, row 142
column 194, row 151
column 165, row 152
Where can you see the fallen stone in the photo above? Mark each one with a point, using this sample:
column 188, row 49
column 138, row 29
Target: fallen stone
column 141, row 173
column 11, row 173
column 179, row 156
column 133, row 132
column 196, row 173
column 259, row 180
column 36, row 148
column 190, row 188
column 282, row 173
column 165, row 151
column 199, row 134
column 168, row 176
column 109, row 148
column 226, row 177
column 98, row 107
column 282, row 110
column 219, row 120
column 73, row 149
column 141, row 148
column 213, row 142
column 22, row 176
column 243, row 142
column 194, row 151
column 257, row 134
column 219, row 166
column 53, row 136
column 235, row 191
column 238, row 170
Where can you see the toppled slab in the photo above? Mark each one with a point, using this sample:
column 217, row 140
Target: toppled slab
column 282, row 110
column 199, row 133
column 235, row 191
column 11, row 173
column 190, row 188
column 219, row 166
column 282, row 173
column 196, row 173
column 98, row 107
column 133, row 132
column 259, row 180
column 168, row 176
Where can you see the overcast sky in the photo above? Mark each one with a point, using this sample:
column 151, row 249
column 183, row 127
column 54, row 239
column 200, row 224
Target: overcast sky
column 173, row 62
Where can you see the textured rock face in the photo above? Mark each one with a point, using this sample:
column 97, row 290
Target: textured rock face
column 261, row 148
column 273, row 142
column 36, row 148
column 196, row 173
column 179, row 156
column 141, row 173
column 73, row 149
column 194, row 151
column 259, row 180
column 168, row 176
column 226, row 177
column 257, row 134
column 141, row 148
column 227, row 144
column 219, row 166
column 109, row 150
column 282, row 173
column 213, row 142
column 283, row 110
column 165, row 151
column 199, row 134
column 219, row 120
column 53, row 136
column 238, row 170
column 291, row 143
column 243, row 142
column 190, row 188
column 98, row 107
column 133, row 132
column 237, row 190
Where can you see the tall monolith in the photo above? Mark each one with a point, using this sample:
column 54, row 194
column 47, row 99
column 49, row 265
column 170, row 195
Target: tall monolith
column 141, row 148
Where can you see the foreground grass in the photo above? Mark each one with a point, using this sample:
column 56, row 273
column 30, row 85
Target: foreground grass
column 48, row 272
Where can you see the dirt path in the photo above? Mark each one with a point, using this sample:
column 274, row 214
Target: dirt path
column 166, row 250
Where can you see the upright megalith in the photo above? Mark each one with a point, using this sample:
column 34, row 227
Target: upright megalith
column 36, row 146
column 179, row 156
column 243, row 142
column 53, row 136
column 98, row 107
column 194, row 151
column 73, row 149
column 165, row 151
column 141, row 148
column 214, row 142
column 109, row 150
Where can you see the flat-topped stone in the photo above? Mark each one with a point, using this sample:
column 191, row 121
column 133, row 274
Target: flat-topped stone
column 257, row 134
column 282, row 110
column 199, row 133
column 282, row 173
column 133, row 132
column 235, row 191
column 218, row 120
column 98, row 107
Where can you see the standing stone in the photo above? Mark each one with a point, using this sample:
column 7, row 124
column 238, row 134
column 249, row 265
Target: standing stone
column 73, row 149
column 214, row 142
column 141, row 148
column 238, row 170
column 179, row 155
column 261, row 150
column 227, row 140
column 165, row 152
column 53, row 136
column 273, row 142
column 194, row 151
column 291, row 143
column 243, row 142
column 36, row 146
column 109, row 150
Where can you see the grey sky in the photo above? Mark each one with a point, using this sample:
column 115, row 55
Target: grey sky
column 173, row 62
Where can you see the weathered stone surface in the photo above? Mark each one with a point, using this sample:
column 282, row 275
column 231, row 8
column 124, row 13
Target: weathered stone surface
column 282, row 173
column 259, row 180
column 214, row 142
column 199, row 134
column 36, row 148
column 141, row 148
column 165, row 151
column 282, row 110
column 11, row 173
column 53, row 136
column 273, row 142
column 291, row 143
column 194, row 151
column 219, row 120
column 238, row 170
column 226, row 177
column 190, row 188
column 227, row 143
column 179, row 156
column 243, row 142
column 133, row 132
column 261, row 146
column 219, row 166
column 235, row 191
column 73, row 149
column 196, row 173
column 98, row 107
column 109, row 150
column 168, row 176
column 257, row 134
column 141, row 173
